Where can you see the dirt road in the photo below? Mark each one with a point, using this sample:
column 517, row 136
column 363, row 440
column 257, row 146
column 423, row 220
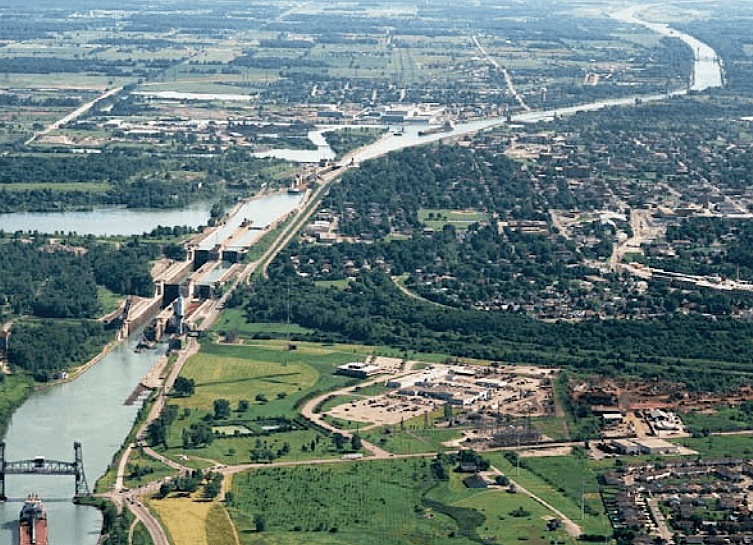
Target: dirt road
column 571, row 528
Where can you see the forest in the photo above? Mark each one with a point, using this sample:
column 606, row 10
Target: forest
column 43, row 347
column 705, row 353
column 51, row 291
column 48, row 181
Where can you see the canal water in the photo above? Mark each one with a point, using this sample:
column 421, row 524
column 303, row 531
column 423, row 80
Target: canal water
column 90, row 410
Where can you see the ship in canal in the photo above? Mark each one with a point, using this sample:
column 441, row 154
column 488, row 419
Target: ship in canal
column 32, row 527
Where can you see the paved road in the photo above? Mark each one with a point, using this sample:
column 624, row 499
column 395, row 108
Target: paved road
column 508, row 79
column 661, row 524
column 73, row 115
column 142, row 514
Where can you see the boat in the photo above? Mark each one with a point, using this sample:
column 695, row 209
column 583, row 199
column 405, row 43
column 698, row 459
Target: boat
column 32, row 526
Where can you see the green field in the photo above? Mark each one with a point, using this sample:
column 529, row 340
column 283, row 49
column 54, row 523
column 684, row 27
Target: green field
column 721, row 419
column 334, row 402
column 109, row 299
column 273, row 380
column 142, row 469
column 566, row 495
column 411, row 441
column 378, row 502
column 232, row 320
column 87, row 187
column 720, row 445
column 436, row 218
column 14, row 389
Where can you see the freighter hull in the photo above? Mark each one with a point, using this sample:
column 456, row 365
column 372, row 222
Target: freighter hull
column 32, row 526
column 25, row 531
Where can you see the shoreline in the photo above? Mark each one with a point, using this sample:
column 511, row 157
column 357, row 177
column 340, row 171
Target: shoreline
column 79, row 370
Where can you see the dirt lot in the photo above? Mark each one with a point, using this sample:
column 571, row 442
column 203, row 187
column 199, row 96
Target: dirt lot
column 384, row 409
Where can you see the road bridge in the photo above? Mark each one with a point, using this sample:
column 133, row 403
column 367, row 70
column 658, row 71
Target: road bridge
column 42, row 466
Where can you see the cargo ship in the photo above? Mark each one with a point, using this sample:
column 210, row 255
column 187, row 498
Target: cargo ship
column 32, row 527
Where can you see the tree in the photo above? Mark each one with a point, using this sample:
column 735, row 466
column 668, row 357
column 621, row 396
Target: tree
column 155, row 433
column 184, row 387
column 339, row 441
column 221, row 409
column 242, row 405
column 356, row 443
column 259, row 522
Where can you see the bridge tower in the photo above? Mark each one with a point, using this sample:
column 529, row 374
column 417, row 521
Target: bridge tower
column 82, row 488
column 2, row 472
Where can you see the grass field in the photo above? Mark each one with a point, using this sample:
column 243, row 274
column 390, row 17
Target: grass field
column 377, row 502
column 232, row 320
column 411, row 441
column 14, row 389
column 335, row 401
column 272, row 380
column 720, row 445
column 152, row 469
column 194, row 523
column 141, row 535
column 438, row 218
column 88, row 187
column 721, row 419
column 109, row 300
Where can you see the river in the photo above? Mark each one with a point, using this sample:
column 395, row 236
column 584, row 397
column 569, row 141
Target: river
column 105, row 221
column 128, row 221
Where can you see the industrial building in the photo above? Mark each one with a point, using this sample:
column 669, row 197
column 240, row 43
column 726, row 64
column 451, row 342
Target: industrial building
column 357, row 369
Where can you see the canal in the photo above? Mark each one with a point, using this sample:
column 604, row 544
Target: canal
column 91, row 409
